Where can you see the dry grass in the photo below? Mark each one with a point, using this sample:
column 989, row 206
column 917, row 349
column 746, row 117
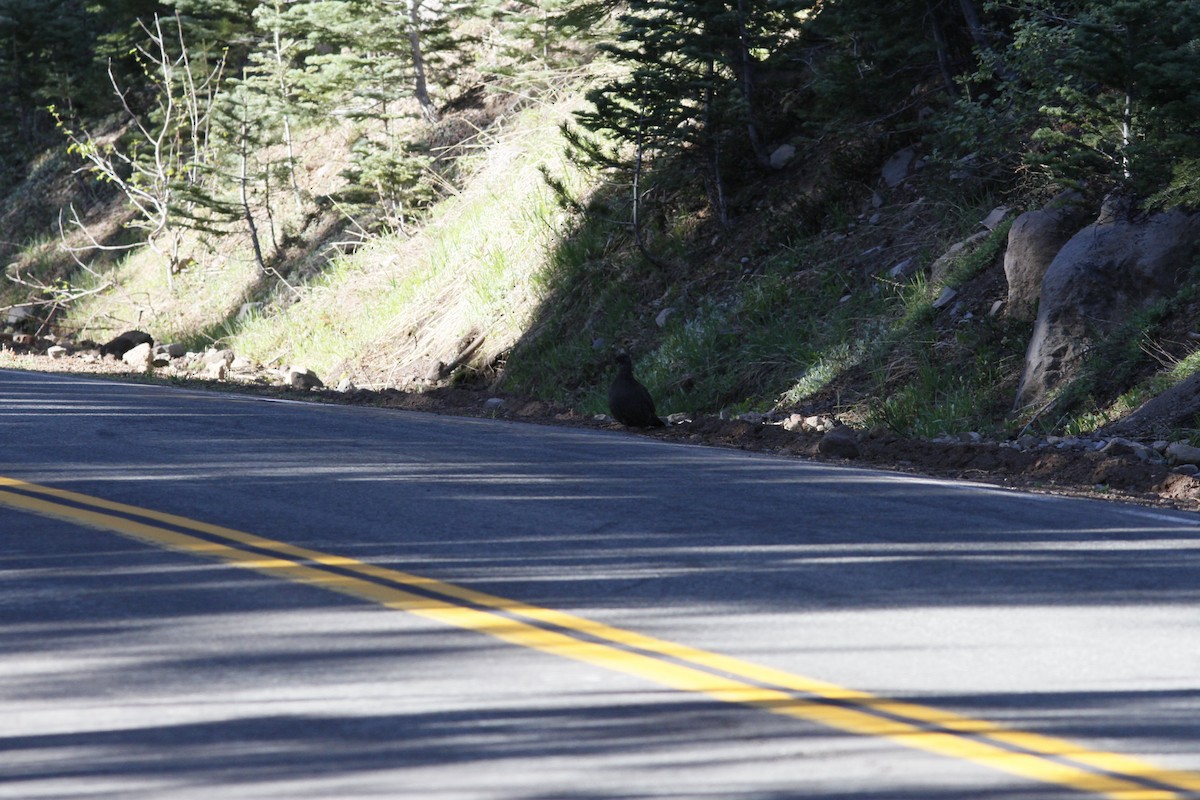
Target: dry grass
column 398, row 307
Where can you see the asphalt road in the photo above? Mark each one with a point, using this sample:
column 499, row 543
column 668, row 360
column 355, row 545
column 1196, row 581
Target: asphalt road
column 212, row 596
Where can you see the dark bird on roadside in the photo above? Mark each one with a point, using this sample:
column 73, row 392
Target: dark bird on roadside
column 629, row 401
column 122, row 344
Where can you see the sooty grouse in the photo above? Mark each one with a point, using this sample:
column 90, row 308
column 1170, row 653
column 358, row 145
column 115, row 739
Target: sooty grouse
column 120, row 345
column 629, row 401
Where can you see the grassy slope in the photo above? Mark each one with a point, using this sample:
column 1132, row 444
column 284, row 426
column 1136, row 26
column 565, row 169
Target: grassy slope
column 766, row 315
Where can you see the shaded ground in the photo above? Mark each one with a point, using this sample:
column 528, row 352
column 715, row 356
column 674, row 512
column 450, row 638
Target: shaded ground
column 1113, row 475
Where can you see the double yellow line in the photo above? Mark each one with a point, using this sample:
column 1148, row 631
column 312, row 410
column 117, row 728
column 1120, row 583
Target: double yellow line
column 724, row 678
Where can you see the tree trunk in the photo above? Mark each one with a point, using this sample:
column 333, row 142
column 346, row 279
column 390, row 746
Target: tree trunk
column 421, row 88
column 746, row 67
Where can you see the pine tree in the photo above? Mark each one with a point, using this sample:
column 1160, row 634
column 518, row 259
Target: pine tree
column 1119, row 84
column 45, row 59
column 690, row 88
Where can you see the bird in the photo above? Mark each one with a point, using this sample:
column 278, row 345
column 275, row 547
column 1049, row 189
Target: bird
column 629, row 401
column 125, row 342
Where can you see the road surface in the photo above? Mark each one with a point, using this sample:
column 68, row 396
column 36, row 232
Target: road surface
column 205, row 595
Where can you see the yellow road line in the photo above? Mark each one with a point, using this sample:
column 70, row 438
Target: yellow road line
column 1029, row 755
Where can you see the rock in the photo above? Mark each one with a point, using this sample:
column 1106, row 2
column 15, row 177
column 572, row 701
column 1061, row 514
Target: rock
column 241, row 364
column 809, row 424
column 1161, row 414
column 1028, row 442
column 346, row 386
column 493, row 404
column 1104, row 273
column 1033, row 241
column 782, row 156
column 121, row 344
column 139, row 357
column 217, row 357
column 303, row 378
column 898, row 167
column 1125, row 447
column 903, row 269
column 1180, row 453
column 995, row 217
column 663, row 317
column 173, row 350
column 840, row 442
column 1186, row 469
column 57, row 351
column 819, row 424
column 216, row 370
column 678, row 418
column 945, row 297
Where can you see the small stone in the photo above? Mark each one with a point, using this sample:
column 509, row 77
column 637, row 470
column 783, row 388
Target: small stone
column 898, row 166
column 663, row 317
column 218, row 356
column 303, row 378
column 58, row 351
column 493, row 404
column 782, row 156
column 839, row 443
column 678, row 418
column 943, row 299
column 997, row 215
column 346, row 386
column 1180, row 453
column 794, row 423
column 819, row 424
column 1186, row 469
column 217, row 371
column 140, row 357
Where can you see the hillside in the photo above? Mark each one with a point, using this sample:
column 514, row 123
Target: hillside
column 857, row 278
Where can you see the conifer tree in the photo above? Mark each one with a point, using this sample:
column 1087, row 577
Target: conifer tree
column 45, row 59
column 690, row 91
column 1112, row 89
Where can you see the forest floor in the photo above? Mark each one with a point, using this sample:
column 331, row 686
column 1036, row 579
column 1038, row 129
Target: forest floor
column 1114, row 475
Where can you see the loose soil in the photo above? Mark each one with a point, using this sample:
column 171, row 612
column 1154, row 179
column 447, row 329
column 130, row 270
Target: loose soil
column 1097, row 475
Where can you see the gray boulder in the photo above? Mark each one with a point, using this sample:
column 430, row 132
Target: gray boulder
column 840, row 442
column 1160, row 415
column 303, row 378
column 1100, row 276
column 139, row 357
column 1033, row 241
